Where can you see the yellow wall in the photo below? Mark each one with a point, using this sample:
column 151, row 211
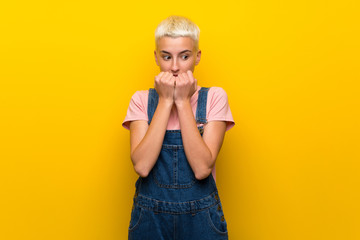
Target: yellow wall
column 288, row 170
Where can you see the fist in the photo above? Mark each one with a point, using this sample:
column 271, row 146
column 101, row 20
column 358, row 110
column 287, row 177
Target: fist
column 164, row 85
column 186, row 86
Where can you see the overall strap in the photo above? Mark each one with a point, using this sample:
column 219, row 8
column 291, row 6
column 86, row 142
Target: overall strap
column 152, row 103
column 201, row 105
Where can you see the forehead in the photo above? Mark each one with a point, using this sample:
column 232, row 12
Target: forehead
column 177, row 44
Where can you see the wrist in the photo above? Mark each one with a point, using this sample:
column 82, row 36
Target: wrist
column 166, row 102
column 182, row 103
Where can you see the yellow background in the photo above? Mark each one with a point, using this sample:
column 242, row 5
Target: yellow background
column 288, row 170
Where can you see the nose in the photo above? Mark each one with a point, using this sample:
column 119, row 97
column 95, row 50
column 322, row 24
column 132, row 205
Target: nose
column 174, row 66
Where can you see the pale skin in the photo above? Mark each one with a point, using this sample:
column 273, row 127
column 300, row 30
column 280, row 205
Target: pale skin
column 175, row 84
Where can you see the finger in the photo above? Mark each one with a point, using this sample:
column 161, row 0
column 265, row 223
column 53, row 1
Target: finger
column 158, row 79
column 168, row 80
column 175, row 79
column 190, row 75
column 168, row 76
column 186, row 76
column 172, row 79
column 180, row 80
column 162, row 80
column 192, row 79
column 159, row 76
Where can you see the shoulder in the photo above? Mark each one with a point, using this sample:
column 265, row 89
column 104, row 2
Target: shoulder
column 140, row 94
column 140, row 97
column 139, row 100
column 137, row 109
column 217, row 94
column 218, row 108
column 213, row 88
column 217, row 91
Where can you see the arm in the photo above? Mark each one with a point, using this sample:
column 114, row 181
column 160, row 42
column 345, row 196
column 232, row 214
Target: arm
column 201, row 152
column 146, row 140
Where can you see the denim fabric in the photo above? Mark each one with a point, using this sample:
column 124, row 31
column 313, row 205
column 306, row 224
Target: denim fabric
column 170, row 203
column 201, row 107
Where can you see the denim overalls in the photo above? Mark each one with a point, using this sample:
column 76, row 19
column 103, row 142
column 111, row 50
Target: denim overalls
column 170, row 203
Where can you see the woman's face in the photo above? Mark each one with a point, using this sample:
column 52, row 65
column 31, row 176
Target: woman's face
column 176, row 55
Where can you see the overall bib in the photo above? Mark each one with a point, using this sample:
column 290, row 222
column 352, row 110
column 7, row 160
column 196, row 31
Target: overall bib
column 170, row 203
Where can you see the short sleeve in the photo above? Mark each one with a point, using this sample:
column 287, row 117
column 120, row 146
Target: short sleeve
column 137, row 109
column 218, row 108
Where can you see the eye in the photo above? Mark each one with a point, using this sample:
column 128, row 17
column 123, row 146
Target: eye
column 166, row 57
column 185, row 57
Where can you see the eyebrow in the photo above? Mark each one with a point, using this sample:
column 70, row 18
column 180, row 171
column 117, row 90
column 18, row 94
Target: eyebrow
column 180, row 52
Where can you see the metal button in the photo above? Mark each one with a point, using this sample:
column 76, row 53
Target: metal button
column 201, row 130
column 219, row 208
column 222, row 218
column 216, row 197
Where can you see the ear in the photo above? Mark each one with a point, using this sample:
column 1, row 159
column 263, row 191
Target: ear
column 198, row 57
column 156, row 58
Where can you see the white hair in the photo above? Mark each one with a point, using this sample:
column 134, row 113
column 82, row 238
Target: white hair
column 177, row 26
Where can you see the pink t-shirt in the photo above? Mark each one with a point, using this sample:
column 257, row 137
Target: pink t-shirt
column 217, row 109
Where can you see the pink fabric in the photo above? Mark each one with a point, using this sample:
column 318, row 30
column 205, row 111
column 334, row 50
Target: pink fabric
column 217, row 109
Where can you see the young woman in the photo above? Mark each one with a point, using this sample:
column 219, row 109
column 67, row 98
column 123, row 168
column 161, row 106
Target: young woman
column 176, row 132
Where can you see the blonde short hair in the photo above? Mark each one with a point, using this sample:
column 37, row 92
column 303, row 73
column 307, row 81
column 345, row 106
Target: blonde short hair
column 177, row 26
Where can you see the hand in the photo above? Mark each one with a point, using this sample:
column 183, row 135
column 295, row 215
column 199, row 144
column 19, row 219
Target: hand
column 164, row 86
column 186, row 86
